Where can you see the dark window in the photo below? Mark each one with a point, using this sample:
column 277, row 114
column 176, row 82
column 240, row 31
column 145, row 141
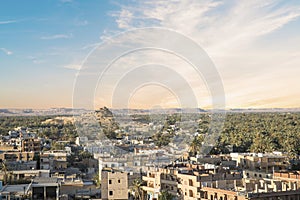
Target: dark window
column 111, row 193
column 109, row 181
column 119, row 181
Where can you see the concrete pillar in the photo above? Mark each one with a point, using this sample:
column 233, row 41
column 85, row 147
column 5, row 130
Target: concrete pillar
column 256, row 187
column 45, row 193
column 283, row 186
column 57, row 193
column 275, row 187
column 266, row 187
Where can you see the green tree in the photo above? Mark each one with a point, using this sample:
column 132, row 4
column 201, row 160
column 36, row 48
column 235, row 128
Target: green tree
column 137, row 189
column 96, row 179
column 165, row 195
column 196, row 144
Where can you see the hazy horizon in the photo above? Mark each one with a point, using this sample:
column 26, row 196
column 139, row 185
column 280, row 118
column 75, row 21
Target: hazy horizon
column 29, row 108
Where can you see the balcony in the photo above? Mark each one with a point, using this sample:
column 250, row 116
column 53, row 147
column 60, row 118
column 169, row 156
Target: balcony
column 147, row 178
column 148, row 189
column 169, row 182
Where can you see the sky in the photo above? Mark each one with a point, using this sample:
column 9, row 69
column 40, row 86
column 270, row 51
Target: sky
column 46, row 45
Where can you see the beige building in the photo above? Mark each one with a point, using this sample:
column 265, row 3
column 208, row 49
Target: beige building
column 189, row 185
column 159, row 179
column 114, row 184
column 54, row 160
column 192, row 182
column 262, row 162
column 31, row 144
column 186, row 181
column 10, row 156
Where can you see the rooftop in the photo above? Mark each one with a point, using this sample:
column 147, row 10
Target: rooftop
column 15, row 188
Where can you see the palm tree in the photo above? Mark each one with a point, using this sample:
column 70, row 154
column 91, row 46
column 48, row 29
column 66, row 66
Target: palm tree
column 165, row 195
column 137, row 190
column 262, row 144
column 4, row 169
column 96, row 179
column 196, row 144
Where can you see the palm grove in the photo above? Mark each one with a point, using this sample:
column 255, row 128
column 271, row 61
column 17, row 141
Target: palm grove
column 244, row 132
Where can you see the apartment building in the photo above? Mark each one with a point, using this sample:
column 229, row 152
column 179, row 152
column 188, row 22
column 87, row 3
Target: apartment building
column 54, row 160
column 186, row 181
column 262, row 162
column 11, row 156
column 159, row 179
column 31, row 144
column 114, row 184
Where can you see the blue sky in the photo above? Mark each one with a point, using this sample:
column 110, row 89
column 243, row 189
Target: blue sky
column 254, row 45
column 38, row 39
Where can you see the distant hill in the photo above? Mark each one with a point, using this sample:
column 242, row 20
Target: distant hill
column 41, row 112
column 265, row 110
column 70, row 111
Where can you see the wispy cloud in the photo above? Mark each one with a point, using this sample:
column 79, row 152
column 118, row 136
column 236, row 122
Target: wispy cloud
column 72, row 66
column 36, row 60
column 230, row 32
column 6, row 51
column 213, row 24
column 57, row 36
column 8, row 22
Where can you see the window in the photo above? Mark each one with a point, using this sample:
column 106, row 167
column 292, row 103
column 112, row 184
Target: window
column 190, row 182
column 191, row 193
column 110, row 182
column 119, row 181
column 111, row 193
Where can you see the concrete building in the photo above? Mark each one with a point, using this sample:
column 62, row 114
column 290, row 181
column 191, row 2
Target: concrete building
column 45, row 189
column 81, row 140
column 11, row 156
column 185, row 181
column 262, row 162
column 31, row 144
column 114, row 184
column 16, row 176
column 54, row 160
column 15, row 192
